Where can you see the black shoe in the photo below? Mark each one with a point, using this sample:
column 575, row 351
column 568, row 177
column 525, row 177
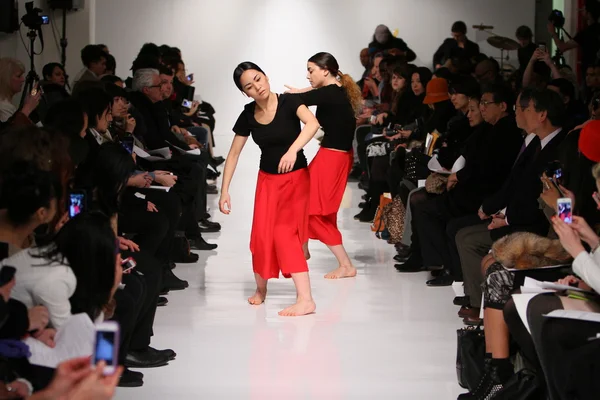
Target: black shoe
column 219, row 160
column 170, row 354
column 412, row 264
column 172, row 265
column 461, row 301
column 210, row 174
column 365, row 197
column 162, row 301
column 191, row 258
column 145, row 359
column 171, row 282
column 209, row 226
column 201, row 244
column 130, row 379
column 366, row 215
column 400, row 259
column 442, row 280
column 403, row 250
column 211, row 189
column 364, row 204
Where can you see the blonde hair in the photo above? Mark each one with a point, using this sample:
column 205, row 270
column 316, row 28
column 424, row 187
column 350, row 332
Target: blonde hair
column 8, row 68
column 352, row 91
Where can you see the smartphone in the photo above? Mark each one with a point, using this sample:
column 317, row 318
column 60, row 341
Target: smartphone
column 45, row 20
column 76, row 203
column 190, row 77
column 128, row 265
column 107, row 346
column 7, row 273
column 565, row 211
column 127, row 144
column 542, row 46
column 186, row 103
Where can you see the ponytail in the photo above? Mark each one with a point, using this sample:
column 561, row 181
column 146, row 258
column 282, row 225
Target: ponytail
column 352, row 91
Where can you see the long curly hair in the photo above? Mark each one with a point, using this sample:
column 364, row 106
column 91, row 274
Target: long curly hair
column 328, row 62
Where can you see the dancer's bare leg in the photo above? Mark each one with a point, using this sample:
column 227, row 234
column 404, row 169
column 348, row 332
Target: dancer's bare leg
column 304, row 301
column 305, row 250
column 261, row 291
column 345, row 269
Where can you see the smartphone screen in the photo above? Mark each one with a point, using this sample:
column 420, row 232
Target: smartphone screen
column 7, row 273
column 190, row 77
column 186, row 103
column 127, row 144
column 76, row 204
column 105, row 349
column 565, row 211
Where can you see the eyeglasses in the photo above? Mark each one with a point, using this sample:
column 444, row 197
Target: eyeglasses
column 486, row 103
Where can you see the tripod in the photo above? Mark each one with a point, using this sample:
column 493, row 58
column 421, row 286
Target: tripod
column 32, row 76
column 63, row 47
column 558, row 58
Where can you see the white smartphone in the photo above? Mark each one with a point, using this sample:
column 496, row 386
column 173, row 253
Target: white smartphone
column 565, row 210
column 107, row 346
column 186, row 103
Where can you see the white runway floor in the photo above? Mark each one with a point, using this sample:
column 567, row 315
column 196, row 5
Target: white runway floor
column 382, row 335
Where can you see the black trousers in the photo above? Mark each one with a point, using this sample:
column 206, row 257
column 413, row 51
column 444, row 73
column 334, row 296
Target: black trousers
column 431, row 218
column 361, row 148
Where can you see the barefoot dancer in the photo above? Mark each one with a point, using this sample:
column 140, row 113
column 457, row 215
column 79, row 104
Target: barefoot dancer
column 338, row 99
column 280, row 224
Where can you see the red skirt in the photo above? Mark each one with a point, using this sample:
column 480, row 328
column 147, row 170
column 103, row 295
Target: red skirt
column 329, row 172
column 280, row 224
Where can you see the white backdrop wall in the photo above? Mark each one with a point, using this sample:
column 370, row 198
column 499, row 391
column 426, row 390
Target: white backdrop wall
column 279, row 35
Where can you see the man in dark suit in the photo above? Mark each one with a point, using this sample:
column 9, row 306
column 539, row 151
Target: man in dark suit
column 487, row 167
column 515, row 207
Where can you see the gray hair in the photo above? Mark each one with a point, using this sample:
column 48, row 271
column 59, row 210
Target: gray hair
column 143, row 78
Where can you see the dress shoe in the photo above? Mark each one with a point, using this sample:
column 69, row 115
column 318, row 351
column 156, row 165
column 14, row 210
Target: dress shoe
column 145, row 359
column 219, row 160
column 164, row 292
column 440, row 281
column 461, row 301
column 409, row 268
column 172, row 265
column 468, row 311
column 364, row 204
column 162, row 301
column 170, row 354
column 210, row 174
column 403, row 250
column 472, row 321
column 190, row 258
column 366, row 215
column 365, row 197
column 131, row 378
column 211, row 189
column 201, row 244
column 171, row 282
column 209, row 227
column 400, row 259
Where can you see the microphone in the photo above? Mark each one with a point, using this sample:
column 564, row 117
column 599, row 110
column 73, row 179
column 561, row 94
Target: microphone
column 482, row 27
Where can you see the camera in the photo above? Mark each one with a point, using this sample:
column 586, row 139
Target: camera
column 33, row 18
column 557, row 18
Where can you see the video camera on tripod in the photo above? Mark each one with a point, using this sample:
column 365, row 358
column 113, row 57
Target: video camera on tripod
column 33, row 19
column 557, row 18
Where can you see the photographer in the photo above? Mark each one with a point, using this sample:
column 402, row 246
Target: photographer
column 587, row 39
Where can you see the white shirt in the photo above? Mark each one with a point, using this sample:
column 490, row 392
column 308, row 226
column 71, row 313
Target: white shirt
column 7, row 109
column 101, row 138
column 587, row 266
column 38, row 283
column 551, row 136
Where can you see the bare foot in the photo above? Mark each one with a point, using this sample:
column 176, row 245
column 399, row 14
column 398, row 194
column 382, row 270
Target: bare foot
column 342, row 272
column 302, row 307
column 258, row 298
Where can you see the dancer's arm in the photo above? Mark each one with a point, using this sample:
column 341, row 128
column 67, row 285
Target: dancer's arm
column 294, row 90
column 230, row 164
column 311, row 126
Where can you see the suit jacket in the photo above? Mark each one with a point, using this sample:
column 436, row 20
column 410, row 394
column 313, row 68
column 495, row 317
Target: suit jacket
column 520, row 193
column 490, row 154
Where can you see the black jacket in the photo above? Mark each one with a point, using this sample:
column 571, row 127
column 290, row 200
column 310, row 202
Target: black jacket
column 153, row 128
column 450, row 49
column 490, row 153
column 521, row 191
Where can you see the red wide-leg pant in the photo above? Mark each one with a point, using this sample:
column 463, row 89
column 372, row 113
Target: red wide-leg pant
column 280, row 224
column 329, row 172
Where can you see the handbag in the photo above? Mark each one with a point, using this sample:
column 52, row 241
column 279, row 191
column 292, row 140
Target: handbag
column 416, row 165
column 524, row 385
column 378, row 149
column 436, row 183
column 470, row 356
column 393, row 218
column 378, row 225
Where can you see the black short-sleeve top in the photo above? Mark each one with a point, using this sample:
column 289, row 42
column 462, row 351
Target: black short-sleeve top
column 335, row 114
column 275, row 138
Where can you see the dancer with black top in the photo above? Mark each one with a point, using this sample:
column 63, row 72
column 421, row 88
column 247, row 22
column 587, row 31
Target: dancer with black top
column 338, row 100
column 280, row 224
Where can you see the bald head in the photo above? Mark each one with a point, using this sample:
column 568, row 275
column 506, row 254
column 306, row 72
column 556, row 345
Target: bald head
column 486, row 72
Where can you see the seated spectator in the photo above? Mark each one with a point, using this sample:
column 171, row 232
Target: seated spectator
column 53, row 85
column 12, row 77
column 114, row 80
column 383, row 39
column 458, row 46
column 94, row 62
column 487, row 72
column 111, row 65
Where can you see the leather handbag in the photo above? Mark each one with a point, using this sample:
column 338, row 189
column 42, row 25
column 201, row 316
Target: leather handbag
column 470, row 356
column 378, row 225
column 524, row 385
